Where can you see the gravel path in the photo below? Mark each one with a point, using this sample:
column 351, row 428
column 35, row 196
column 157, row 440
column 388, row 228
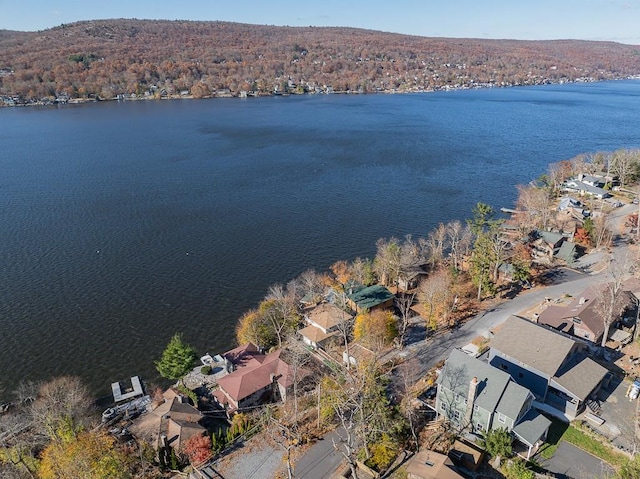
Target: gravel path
column 258, row 459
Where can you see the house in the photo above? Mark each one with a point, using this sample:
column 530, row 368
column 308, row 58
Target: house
column 472, row 393
column 547, row 246
column 553, row 366
column 370, row 298
column 180, row 422
column 592, row 180
column 323, row 323
column 254, row 378
column 410, row 279
column 428, row 464
column 582, row 188
column 580, row 318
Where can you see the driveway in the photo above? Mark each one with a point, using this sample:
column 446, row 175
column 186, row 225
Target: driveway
column 320, row 461
column 573, row 463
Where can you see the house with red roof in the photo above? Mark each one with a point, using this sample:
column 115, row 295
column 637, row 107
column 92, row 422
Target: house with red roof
column 254, row 378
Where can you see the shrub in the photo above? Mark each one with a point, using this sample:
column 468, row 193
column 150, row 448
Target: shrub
column 206, row 370
column 517, row 469
column 497, row 442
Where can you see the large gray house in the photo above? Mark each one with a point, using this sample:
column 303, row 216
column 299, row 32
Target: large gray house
column 479, row 397
column 553, row 366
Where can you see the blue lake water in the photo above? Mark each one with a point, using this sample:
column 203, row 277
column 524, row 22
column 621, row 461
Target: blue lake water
column 123, row 223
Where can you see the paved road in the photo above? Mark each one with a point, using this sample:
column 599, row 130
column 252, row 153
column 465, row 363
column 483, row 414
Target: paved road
column 320, row 461
column 425, row 354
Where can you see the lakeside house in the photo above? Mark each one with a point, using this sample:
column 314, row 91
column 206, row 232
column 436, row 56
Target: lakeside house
column 179, row 423
column 586, row 188
column 254, row 378
column 553, row 366
column 323, row 323
column 474, row 395
column 370, row 298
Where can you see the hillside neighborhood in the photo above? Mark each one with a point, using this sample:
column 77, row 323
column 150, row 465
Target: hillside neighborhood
column 503, row 347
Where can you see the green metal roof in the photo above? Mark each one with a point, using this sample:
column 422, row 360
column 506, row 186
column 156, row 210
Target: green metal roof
column 371, row 296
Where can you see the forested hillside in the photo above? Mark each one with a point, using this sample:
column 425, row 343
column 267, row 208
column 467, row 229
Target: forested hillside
column 107, row 58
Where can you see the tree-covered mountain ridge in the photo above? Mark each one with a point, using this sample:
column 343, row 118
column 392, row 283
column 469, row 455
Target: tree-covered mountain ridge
column 110, row 58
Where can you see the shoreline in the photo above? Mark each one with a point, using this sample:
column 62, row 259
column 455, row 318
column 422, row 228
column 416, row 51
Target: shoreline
column 8, row 101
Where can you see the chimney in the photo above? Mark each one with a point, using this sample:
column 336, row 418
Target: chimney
column 471, row 398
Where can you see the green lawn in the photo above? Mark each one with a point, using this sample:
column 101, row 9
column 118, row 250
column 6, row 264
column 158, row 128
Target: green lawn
column 560, row 431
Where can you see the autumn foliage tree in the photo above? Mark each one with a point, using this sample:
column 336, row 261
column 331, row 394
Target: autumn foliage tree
column 376, row 329
column 198, row 449
column 89, row 455
column 275, row 318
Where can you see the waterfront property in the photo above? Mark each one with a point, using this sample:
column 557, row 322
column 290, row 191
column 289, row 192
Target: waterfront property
column 476, row 396
column 553, row 366
column 370, row 298
column 323, row 323
column 254, row 378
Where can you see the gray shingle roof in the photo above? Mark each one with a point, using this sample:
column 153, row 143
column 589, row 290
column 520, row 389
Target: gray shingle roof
column 533, row 345
column 512, row 400
column 532, row 427
column 580, row 376
column 461, row 368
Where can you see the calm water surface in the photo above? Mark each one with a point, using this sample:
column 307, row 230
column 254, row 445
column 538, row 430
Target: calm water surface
column 123, row 223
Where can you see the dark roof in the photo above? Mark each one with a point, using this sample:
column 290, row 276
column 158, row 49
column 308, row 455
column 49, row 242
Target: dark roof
column 532, row 427
column 496, row 391
column 580, row 376
column 584, row 308
column 535, row 346
column 371, row 296
column 513, row 399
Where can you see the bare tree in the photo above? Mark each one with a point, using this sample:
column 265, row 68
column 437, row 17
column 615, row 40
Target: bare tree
column 535, row 206
column 312, row 285
column 279, row 431
column 434, row 295
column 61, row 401
column 411, row 254
column 387, row 261
column 362, row 271
column 613, row 300
column 403, row 303
column 408, row 376
column 459, row 241
column 281, row 309
column 624, row 163
column 436, row 240
column 297, row 356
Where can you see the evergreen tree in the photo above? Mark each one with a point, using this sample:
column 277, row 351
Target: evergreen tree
column 177, row 359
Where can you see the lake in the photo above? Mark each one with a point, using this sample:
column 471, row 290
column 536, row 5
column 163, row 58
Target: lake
column 123, row 223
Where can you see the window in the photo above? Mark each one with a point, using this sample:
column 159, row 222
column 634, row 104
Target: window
column 502, row 418
column 520, row 375
column 476, row 407
column 504, row 367
column 455, row 416
column 442, row 408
